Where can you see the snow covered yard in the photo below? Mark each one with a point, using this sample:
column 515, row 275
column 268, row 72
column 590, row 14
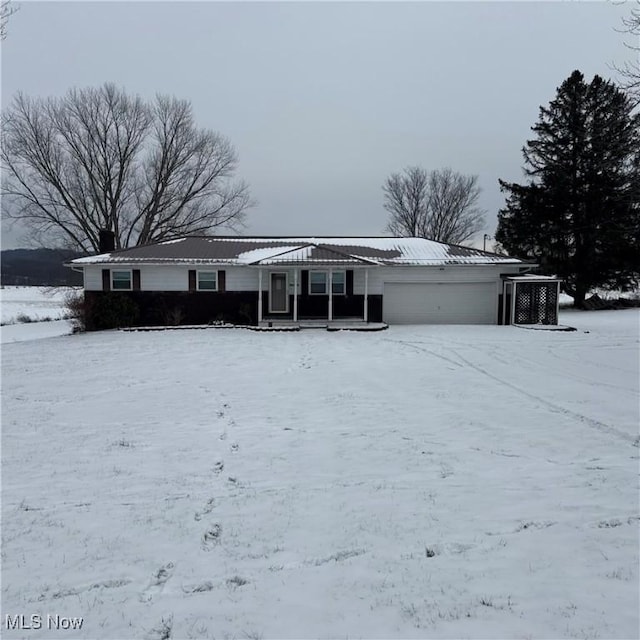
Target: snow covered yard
column 421, row 482
column 33, row 304
column 33, row 312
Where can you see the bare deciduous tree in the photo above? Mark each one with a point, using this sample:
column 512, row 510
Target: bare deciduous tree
column 100, row 159
column 630, row 71
column 405, row 198
column 6, row 11
column 440, row 205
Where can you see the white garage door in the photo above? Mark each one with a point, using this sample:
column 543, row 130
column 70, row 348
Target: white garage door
column 439, row 303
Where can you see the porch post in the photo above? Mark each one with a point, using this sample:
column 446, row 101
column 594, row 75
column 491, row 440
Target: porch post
column 557, row 301
column 259, row 295
column 330, row 295
column 366, row 295
column 513, row 301
column 295, row 295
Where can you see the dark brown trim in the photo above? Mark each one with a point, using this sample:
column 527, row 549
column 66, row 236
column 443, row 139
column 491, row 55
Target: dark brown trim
column 192, row 279
column 136, row 280
column 222, row 281
column 106, row 279
column 349, row 283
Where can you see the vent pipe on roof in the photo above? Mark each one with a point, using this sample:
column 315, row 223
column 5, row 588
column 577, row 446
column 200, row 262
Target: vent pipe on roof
column 107, row 241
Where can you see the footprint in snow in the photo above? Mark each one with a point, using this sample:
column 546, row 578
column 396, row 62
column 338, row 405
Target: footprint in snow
column 208, row 508
column 211, row 536
column 157, row 582
column 534, row 525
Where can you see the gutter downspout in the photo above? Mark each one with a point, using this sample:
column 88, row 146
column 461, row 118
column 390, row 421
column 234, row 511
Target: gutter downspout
column 366, row 295
column 295, row 295
column 504, row 302
column 259, row 295
column 331, row 294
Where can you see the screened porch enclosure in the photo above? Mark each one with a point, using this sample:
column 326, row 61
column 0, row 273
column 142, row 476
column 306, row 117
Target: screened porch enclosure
column 530, row 300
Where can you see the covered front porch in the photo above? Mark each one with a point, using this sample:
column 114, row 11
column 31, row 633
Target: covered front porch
column 322, row 296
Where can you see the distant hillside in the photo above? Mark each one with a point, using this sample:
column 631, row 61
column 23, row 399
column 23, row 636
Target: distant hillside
column 38, row 267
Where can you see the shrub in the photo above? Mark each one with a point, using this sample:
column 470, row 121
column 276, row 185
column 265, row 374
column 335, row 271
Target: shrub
column 244, row 313
column 75, row 306
column 106, row 310
column 112, row 310
column 173, row 317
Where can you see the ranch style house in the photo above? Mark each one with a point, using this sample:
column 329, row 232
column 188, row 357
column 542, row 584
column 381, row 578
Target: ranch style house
column 266, row 281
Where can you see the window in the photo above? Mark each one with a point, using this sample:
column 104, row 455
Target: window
column 318, row 283
column 207, row 280
column 121, row 280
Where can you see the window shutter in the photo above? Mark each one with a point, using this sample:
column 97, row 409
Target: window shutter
column 192, row 279
column 222, row 281
column 349, row 284
column 136, row 280
column 304, row 284
column 106, row 280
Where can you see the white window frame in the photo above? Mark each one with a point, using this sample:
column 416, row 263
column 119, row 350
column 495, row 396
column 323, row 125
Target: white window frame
column 113, row 280
column 199, row 288
column 326, row 282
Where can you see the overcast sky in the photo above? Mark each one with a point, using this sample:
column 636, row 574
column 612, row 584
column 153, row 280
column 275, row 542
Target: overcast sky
column 324, row 100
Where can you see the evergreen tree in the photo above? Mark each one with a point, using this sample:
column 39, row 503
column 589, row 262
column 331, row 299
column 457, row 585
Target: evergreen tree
column 579, row 213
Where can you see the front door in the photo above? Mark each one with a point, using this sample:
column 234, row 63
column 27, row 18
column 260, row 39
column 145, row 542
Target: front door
column 278, row 294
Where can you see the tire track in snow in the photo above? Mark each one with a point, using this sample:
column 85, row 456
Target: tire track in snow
column 494, row 353
column 414, row 346
column 596, row 424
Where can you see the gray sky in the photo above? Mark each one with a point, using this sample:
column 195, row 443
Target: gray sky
column 324, row 100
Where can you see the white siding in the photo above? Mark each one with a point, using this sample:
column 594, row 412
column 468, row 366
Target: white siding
column 176, row 277
column 241, row 279
column 93, row 278
column 379, row 275
column 164, row 278
column 172, row 277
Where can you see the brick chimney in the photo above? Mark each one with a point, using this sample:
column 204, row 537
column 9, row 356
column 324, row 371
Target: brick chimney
column 107, row 240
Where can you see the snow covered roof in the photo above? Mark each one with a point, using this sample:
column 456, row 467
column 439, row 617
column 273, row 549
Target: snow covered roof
column 239, row 250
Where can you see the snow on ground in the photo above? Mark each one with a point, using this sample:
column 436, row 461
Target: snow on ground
column 32, row 303
column 420, row 482
column 35, row 330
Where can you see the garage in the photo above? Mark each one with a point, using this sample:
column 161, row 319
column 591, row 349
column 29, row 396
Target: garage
column 440, row 303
